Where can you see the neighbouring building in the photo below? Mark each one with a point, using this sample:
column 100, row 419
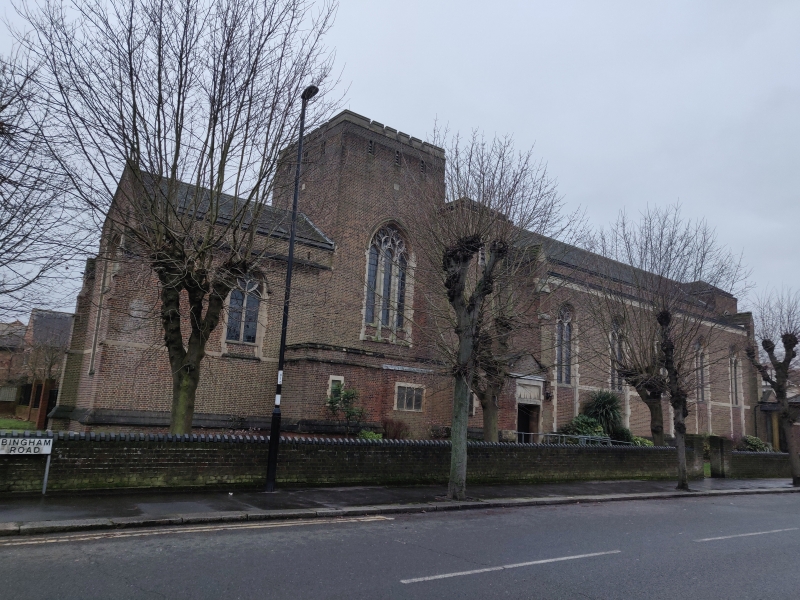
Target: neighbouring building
column 767, row 423
column 352, row 322
column 12, row 345
column 32, row 358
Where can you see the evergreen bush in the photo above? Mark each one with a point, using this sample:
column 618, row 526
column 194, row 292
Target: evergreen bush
column 604, row 407
column 750, row 443
column 583, row 425
column 640, row 441
column 622, row 434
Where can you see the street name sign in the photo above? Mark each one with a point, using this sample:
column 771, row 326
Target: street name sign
column 29, row 446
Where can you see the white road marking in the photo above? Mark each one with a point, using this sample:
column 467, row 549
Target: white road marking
column 85, row 537
column 727, row 537
column 504, row 567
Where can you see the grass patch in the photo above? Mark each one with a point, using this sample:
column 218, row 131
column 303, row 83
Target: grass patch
column 17, row 424
column 707, row 469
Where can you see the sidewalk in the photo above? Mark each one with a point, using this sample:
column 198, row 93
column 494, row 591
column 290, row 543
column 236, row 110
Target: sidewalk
column 29, row 515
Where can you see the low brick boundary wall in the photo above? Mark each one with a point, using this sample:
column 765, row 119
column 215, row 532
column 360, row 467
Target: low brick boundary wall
column 149, row 461
column 758, row 465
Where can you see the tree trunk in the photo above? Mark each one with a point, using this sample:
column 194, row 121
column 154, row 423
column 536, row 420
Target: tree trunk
column 490, row 416
column 457, row 489
column 680, row 445
column 184, row 389
column 185, row 360
column 791, row 445
column 653, row 402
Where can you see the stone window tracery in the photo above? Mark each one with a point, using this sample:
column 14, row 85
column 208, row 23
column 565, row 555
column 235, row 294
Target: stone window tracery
column 243, row 306
column 387, row 274
column 700, row 369
column 564, row 345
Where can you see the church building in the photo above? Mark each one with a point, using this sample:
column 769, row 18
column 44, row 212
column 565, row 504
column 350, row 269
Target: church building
column 352, row 323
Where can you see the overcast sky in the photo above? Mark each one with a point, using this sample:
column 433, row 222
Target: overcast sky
column 630, row 103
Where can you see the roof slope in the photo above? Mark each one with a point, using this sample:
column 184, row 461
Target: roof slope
column 12, row 335
column 596, row 264
column 272, row 221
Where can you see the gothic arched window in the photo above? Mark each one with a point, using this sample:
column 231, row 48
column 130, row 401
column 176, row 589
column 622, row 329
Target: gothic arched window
column 734, row 371
column 243, row 311
column 616, row 354
column 387, row 270
column 700, row 368
column 564, row 346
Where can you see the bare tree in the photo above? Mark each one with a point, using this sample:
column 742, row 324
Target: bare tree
column 777, row 316
column 663, row 292
column 37, row 234
column 477, row 262
column 149, row 94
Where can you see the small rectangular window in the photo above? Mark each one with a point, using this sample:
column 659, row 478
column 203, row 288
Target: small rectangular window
column 305, row 156
column 335, row 386
column 397, row 158
column 371, row 147
column 409, row 396
column 423, row 168
column 322, row 147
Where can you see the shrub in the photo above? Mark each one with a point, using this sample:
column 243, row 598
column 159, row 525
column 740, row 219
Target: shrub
column 440, row 432
column 583, row 425
column 640, row 441
column 366, row 434
column 604, row 407
column 342, row 406
column 750, row 443
column 622, row 434
column 395, row 430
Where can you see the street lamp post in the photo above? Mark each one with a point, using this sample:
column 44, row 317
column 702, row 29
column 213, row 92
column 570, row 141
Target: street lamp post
column 275, row 428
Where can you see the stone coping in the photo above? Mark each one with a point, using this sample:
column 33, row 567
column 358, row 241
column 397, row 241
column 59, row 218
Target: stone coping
column 751, row 453
column 258, row 439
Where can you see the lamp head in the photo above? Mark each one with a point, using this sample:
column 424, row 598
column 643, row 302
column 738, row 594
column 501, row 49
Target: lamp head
column 309, row 93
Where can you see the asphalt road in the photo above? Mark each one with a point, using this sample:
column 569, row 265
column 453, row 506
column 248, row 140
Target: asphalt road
column 736, row 547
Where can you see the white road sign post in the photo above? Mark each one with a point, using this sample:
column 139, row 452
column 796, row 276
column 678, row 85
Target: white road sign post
column 29, row 447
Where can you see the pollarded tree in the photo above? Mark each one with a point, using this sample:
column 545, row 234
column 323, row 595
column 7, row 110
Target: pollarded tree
column 625, row 343
column 188, row 104
column 478, row 268
column 777, row 317
column 659, row 295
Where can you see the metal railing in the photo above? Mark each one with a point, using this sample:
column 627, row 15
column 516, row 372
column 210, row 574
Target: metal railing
column 561, row 438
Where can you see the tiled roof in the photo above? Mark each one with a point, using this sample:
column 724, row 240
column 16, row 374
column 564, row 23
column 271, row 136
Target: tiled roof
column 12, row 335
column 272, row 221
column 596, row 264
